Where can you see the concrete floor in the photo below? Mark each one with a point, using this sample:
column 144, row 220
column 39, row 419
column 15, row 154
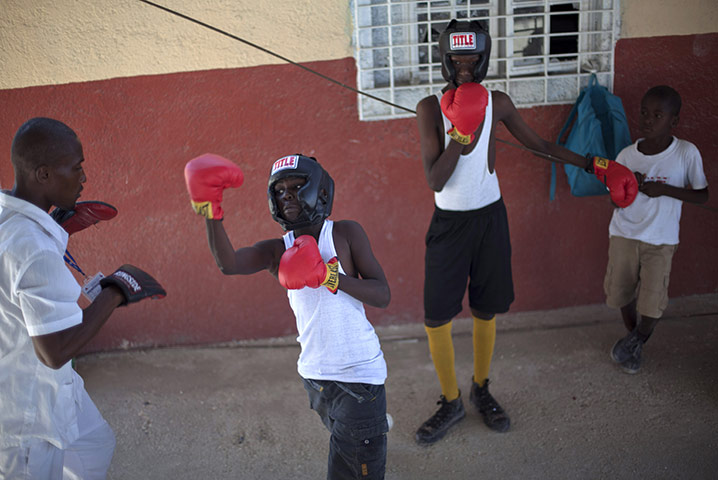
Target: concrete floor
column 239, row 411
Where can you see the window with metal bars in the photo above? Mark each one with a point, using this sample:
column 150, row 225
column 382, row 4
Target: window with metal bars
column 543, row 51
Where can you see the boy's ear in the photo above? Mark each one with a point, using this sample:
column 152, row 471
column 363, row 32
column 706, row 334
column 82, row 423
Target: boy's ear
column 675, row 120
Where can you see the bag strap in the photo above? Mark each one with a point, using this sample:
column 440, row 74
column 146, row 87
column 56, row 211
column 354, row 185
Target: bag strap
column 592, row 83
column 569, row 122
column 552, row 191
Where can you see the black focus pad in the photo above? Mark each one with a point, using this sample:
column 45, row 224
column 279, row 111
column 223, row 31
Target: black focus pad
column 134, row 283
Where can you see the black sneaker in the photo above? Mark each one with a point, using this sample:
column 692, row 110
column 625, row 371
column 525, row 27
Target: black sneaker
column 435, row 428
column 494, row 416
column 633, row 364
column 626, row 348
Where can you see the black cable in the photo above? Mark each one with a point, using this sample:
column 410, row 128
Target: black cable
column 269, row 52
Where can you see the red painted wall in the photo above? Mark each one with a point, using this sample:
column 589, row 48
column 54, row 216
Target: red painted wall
column 139, row 132
column 690, row 65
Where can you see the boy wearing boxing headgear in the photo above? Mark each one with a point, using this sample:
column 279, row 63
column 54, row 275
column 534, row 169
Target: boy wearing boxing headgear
column 468, row 237
column 329, row 271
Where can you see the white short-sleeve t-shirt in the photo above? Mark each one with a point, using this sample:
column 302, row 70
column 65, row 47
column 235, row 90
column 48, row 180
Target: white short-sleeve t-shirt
column 656, row 220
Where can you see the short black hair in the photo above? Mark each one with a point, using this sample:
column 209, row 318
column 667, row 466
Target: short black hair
column 39, row 140
column 668, row 94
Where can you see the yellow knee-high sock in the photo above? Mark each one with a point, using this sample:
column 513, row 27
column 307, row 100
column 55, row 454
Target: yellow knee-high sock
column 484, row 340
column 441, row 346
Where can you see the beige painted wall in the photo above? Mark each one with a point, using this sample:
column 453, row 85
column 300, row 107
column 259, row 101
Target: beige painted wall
column 46, row 43
column 63, row 41
column 656, row 18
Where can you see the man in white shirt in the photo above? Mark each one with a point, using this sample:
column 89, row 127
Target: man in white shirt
column 49, row 426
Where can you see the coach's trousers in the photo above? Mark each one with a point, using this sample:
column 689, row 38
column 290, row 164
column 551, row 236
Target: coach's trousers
column 87, row 458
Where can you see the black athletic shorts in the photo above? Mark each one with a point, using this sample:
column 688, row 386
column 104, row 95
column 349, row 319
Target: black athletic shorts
column 471, row 245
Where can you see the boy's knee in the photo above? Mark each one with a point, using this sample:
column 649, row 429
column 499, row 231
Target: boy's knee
column 482, row 315
column 436, row 323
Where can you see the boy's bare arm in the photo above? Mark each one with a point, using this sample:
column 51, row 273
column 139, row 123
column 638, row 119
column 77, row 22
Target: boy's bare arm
column 369, row 284
column 657, row 189
column 263, row 255
column 439, row 163
column 506, row 112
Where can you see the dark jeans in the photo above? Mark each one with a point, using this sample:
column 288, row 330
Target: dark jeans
column 355, row 414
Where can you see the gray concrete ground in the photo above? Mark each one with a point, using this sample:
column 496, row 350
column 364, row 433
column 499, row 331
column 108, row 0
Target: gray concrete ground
column 239, row 411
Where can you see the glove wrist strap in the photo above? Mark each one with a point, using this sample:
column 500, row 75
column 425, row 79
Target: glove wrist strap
column 331, row 281
column 459, row 137
column 589, row 166
column 600, row 165
column 205, row 209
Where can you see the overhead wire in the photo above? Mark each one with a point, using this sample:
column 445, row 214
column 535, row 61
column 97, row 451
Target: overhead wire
column 269, row 52
column 325, row 77
column 343, row 85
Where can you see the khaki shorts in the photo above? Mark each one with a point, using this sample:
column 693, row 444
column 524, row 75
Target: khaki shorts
column 638, row 270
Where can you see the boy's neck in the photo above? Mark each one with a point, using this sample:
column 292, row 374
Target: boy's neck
column 654, row 146
column 313, row 230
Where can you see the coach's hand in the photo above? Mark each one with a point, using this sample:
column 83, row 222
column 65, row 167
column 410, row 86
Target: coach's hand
column 84, row 214
column 134, row 284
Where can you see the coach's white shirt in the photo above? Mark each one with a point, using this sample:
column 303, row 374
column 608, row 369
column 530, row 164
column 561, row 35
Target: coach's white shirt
column 38, row 295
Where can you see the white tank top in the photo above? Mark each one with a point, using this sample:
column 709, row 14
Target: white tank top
column 338, row 342
column 470, row 186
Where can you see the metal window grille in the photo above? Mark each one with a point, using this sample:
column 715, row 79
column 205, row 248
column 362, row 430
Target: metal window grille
column 543, row 51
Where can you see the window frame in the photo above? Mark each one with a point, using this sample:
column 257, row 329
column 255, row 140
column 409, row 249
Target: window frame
column 394, row 40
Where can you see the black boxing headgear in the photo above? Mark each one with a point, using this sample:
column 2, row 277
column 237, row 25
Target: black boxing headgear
column 315, row 196
column 464, row 38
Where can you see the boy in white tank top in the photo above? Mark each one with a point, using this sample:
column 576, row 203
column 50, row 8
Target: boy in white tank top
column 329, row 271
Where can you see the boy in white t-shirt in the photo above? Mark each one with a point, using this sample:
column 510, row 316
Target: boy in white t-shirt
column 644, row 235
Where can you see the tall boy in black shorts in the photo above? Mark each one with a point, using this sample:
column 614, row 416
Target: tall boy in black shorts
column 469, row 236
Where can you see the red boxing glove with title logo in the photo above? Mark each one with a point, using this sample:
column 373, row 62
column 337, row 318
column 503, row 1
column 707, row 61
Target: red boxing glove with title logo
column 206, row 177
column 620, row 181
column 302, row 266
column 465, row 107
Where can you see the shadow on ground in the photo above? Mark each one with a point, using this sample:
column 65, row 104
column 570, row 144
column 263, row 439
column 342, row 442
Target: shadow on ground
column 239, row 410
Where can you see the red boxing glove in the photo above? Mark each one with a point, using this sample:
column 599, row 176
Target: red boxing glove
column 302, row 266
column 620, row 181
column 84, row 214
column 465, row 107
column 206, row 177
